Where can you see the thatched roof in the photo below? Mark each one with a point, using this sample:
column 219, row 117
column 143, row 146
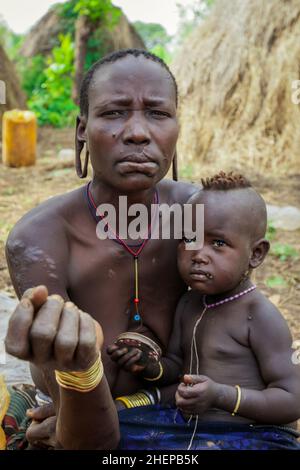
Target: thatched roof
column 44, row 35
column 15, row 97
column 235, row 75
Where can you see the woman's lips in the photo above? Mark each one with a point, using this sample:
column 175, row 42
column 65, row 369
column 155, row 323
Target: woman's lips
column 142, row 166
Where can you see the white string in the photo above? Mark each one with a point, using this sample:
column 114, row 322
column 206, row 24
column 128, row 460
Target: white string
column 195, row 349
column 194, row 432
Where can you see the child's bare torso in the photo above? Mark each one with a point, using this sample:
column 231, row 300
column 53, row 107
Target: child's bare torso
column 223, row 346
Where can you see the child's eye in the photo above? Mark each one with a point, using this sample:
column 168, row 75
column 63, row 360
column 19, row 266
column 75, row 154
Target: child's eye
column 219, row 243
column 188, row 240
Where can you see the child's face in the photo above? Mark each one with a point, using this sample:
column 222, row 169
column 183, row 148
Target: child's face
column 220, row 265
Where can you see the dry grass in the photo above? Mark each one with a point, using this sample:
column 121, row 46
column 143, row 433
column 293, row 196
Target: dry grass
column 235, row 77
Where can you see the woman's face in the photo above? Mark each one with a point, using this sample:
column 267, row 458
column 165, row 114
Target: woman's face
column 131, row 129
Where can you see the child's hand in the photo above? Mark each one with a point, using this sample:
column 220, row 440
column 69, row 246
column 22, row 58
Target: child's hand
column 126, row 358
column 196, row 394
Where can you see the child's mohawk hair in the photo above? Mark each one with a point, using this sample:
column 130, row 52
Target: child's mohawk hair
column 223, row 181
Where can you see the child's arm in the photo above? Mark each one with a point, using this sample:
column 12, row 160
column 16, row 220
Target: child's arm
column 165, row 371
column 279, row 402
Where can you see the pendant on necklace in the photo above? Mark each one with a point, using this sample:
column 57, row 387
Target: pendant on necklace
column 137, row 317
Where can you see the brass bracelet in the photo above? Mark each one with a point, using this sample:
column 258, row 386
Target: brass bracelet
column 238, row 400
column 161, row 371
column 125, row 401
column 135, row 400
column 81, row 381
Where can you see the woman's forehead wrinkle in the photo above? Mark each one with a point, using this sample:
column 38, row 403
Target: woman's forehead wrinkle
column 146, row 95
column 152, row 81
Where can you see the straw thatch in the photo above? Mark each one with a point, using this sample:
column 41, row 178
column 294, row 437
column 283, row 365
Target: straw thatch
column 44, row 35
column 14, row 96
column 235, row 75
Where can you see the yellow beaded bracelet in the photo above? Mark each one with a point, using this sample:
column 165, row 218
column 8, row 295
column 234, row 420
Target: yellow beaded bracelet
column 81, row 381
column 238, row 400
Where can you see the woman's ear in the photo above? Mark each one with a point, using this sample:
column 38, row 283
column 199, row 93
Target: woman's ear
column 80, row 140
column 80, row 129
column 259, row 251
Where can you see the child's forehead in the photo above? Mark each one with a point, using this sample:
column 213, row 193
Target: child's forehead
column 225, row 210
column 222, row 201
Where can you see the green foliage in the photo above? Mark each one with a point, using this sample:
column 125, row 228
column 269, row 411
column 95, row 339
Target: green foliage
column 271, row 231
column 156, row 39
column 284, row 251
column 98, row 10
column 67, row 10
column 163, row 53
column 48, row 81
column 96, row 48
column 11, row 41
column 153, row 34
column 52, row 101
column 68, row 16
column 32, row 71
column 276, row 281
column 187, row 172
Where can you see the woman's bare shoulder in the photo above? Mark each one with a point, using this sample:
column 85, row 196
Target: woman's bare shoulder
column 176, row 191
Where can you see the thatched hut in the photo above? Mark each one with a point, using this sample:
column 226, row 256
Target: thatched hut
column 95, row 37
column 44, row 35
column 235, row 76
column 14, row 96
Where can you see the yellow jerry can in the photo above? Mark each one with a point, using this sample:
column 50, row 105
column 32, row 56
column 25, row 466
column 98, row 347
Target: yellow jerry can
column 4, row 403
column 19, row 135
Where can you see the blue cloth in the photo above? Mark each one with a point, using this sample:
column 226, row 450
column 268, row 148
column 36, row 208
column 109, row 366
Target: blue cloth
column 163, row 428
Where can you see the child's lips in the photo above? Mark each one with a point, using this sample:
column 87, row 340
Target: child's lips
column 199, row 275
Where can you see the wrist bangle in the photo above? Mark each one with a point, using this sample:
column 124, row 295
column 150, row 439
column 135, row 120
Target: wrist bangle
column 81, row 381
column 137, row 399
column 238, row 400
column 153, row 379
column 149, row 395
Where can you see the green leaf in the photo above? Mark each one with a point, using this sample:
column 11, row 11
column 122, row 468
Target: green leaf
column 284, row 251
column 52, row 101
column 276, row 281
column 271, row 231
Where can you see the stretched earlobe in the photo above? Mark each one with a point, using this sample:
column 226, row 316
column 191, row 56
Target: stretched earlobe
column 79, row 144
column 175, row 167
column 259, row 252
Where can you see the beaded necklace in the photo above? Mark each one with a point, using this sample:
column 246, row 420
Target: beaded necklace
column 194, row 349
column 135, row 253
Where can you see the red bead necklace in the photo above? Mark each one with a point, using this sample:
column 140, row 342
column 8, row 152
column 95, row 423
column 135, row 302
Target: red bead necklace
column 134, row 253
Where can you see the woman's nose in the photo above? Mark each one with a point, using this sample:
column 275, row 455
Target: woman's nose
column 136, row 130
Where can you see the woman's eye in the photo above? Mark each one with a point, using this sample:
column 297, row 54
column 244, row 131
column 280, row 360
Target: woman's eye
column 158, row 114
column 219, row 243
column 113, row 113
column 188, row 240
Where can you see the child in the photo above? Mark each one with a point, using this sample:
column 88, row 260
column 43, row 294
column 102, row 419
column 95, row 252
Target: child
column 230, row 342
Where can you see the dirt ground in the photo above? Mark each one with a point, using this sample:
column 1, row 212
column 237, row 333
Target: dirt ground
column 24, row 188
